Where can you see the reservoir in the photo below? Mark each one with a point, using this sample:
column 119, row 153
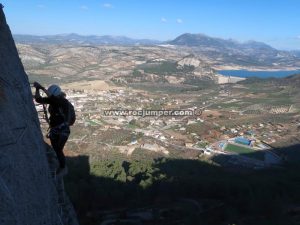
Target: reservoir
column 260, row 74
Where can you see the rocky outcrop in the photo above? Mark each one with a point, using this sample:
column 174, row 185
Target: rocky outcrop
column 28, row 192
column 190, row 61
column 201, row 68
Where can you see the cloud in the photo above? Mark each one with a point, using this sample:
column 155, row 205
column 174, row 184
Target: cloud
column 179, row 21
column 298, row 37
column 163, row 20
column 107, row 5
column 84, row 7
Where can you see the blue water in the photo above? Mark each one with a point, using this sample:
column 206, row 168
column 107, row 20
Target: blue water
column 260, row 74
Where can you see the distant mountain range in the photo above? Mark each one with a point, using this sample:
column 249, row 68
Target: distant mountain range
column 296, row 53
column 219, row 52
column 76, row 39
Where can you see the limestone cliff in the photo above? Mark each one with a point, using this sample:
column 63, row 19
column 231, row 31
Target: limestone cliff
column 29, row 194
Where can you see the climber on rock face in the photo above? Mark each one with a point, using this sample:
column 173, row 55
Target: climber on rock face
column 61, row 117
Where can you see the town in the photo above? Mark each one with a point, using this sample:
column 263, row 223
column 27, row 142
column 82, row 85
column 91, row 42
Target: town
column 207, row 130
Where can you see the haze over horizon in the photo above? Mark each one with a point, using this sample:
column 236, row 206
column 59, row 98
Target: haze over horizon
column 271, row 22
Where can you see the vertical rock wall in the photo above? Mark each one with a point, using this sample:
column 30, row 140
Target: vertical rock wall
column 28, row 195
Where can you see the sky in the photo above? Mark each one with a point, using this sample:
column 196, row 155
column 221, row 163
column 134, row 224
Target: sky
column 275, row 22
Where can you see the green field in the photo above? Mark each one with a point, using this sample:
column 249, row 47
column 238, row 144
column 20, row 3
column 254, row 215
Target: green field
column 245, row 151
column 238, row 149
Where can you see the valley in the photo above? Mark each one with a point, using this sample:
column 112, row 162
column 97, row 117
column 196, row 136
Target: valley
column 141, row 110
column 172, row 126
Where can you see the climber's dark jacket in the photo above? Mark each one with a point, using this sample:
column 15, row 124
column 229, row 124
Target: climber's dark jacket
column 55, row 104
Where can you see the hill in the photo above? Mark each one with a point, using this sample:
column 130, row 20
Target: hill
column 232, row 53
column 296, row 53
column 132, row 64
column 291, row 81
column 220, row 53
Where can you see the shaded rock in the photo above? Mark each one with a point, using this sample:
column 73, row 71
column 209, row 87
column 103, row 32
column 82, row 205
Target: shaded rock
column 28, row 193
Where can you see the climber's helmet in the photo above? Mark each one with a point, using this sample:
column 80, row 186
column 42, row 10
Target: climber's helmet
column 54, row 90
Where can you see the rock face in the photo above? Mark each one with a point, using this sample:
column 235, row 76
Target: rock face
column 189, row 61
column 28, row 192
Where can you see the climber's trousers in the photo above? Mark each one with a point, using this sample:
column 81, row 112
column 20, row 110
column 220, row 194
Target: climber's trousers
column 58, row 140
